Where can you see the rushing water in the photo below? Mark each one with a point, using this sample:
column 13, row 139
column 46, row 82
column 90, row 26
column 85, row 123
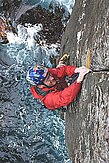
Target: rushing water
column 29, row 133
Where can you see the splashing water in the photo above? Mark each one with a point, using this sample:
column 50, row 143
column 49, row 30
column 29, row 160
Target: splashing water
column 29, row 132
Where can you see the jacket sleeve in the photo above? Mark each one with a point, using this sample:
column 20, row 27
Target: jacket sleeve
column 55, row 100
column 63, row 71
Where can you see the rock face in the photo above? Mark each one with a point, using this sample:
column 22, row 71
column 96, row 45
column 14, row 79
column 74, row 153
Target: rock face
column 87, row 122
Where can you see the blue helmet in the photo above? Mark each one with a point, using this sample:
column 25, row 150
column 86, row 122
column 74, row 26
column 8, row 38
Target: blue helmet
column 37, row 75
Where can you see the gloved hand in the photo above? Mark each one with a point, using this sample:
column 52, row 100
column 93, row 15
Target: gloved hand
column 82, row 72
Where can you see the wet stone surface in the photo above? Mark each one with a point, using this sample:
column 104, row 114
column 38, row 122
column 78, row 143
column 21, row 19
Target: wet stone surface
column 51, row 21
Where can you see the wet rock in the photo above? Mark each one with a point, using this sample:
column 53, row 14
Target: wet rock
column 50, row 20
column 5, row 26
column 53, row 19
column 9, row 8
column 86, row 117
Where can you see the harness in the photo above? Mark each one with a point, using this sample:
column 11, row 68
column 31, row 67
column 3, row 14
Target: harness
column 41, row 92
column 44, row 93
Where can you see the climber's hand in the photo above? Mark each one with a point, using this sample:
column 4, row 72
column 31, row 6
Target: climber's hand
column 82, row 72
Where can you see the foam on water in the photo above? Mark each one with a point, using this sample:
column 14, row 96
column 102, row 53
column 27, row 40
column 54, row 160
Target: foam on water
column 34, row 133
column 24, row 46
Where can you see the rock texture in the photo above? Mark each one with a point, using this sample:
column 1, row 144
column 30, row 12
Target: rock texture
column 51, row 22
column 87, row 127
column 9, row 8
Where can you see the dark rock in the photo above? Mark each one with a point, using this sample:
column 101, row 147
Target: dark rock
column 51, row 22
column 9, row 8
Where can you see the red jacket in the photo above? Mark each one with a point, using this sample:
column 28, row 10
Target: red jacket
column 61, row 94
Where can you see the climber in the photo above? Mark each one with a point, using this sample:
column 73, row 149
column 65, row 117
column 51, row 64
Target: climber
column 49, row 85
